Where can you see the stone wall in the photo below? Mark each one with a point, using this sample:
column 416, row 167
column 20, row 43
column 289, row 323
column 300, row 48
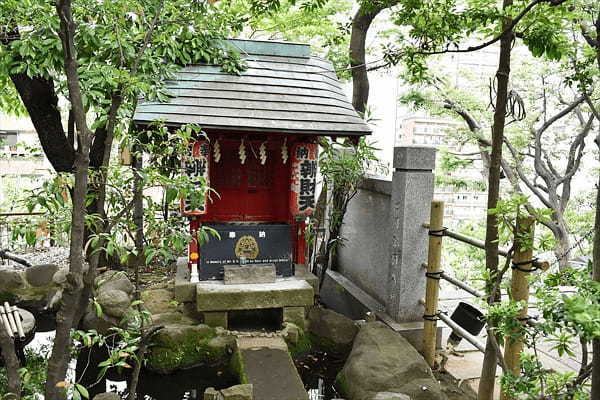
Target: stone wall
column 380, row 264
column 365, row 257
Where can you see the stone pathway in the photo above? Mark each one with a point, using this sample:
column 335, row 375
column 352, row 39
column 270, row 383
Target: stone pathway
column 466, row 366
column 267, row 365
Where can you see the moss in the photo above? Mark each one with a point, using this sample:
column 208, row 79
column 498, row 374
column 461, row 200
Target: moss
column 341, row 384
column 237, row 368
column 8, row 297
column 182, row 347
column 304, row 345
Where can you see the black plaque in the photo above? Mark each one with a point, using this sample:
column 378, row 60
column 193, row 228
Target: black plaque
column 248, row 244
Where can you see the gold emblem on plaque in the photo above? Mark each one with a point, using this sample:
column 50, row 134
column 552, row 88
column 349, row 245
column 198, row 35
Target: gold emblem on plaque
column 246, row 247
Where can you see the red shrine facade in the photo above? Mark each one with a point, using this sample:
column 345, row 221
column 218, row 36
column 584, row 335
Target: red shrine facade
column 259, row 152
column 260, row 183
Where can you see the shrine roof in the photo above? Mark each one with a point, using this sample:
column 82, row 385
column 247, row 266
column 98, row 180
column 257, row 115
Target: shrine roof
column 284, row 89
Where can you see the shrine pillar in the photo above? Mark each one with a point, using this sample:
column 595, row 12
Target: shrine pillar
column 411, row 196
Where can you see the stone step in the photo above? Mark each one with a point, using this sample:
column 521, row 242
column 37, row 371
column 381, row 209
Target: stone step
column 266, row 364
column 284, row 292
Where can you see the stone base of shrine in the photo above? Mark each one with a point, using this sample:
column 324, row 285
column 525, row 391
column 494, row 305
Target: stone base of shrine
column 291, row 295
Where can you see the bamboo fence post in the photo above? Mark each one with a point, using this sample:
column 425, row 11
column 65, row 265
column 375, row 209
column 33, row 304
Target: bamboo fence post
column 522, row 267
column 434, row 255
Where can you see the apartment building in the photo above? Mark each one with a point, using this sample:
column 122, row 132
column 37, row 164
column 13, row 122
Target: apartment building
column 22, row 163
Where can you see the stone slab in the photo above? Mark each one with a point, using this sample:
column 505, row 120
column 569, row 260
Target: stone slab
column 255, row 273
column 411, row 331
column 301, row 272
column 295, row 315
column 183, row 290
column 341, row 295
column 270, row 369
column 216, row 319
column 216, row 296
column 414, row 158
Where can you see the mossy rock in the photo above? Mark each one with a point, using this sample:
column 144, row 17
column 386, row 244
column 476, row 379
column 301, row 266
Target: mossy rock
column 159, row 301
column 183, row 346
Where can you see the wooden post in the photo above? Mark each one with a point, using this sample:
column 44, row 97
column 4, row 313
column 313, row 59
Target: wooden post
column 519, row 288
column 434, row 256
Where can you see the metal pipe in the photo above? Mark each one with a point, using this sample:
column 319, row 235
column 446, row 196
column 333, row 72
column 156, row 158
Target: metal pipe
column 461, row 285
column 4, row 254
column 472, row 241
column 5, row 322
column 17, row 316
column 543, row 265
column 462, row 333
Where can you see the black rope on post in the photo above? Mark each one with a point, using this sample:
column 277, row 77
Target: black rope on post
column 433, row 317
column 434, row 275
column 438, row 232
column 517, row 265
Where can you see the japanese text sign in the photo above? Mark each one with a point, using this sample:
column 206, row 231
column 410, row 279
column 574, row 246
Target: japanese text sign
column 304, row 178
column 196, row 166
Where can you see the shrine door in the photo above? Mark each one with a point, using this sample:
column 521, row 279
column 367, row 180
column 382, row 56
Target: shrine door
column 252, row 191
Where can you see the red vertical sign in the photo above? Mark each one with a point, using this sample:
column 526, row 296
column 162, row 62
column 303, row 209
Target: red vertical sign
column 304, row 178
column 196, row 165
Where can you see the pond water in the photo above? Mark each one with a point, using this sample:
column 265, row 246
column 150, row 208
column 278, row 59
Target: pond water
column 318, row 370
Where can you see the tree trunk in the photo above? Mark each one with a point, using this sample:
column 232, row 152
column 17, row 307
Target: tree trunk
column 563, row 243
column 490, row 360
column 595, row 390
column 12, row 366
column 69, row 310
column 138, row 215
column 40, row 100
column 360, row 80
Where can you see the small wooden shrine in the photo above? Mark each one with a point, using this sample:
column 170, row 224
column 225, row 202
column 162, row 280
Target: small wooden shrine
column 260, row 155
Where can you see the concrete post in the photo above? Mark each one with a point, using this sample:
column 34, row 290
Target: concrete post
column 412, row 193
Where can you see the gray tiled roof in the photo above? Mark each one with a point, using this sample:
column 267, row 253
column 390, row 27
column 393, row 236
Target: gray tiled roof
column 283, row 90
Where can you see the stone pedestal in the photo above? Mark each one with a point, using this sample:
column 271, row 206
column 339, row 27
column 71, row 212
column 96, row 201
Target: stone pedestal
column 412, row 193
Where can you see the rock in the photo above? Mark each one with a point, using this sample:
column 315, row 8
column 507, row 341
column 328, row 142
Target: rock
column 212, row 394
column 291, row 333
column 11, row 279
column 41, row 275
column 255, row 273
column 330, row 330
column 60, row 277
column 114, row 302
column 158, row 301
column 172, row 318
column 391, row 396
column 238, row 392
column 101, row 324
column 114, row 280
column 107, row 396
column 383, row 361
column 184, row 346
column 295, row 315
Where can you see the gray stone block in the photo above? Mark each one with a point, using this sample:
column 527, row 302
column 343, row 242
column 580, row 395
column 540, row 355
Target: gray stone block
column 414, row 158
column 301, row 272
column 216, row 319
column 183, row 290
column 238, row 392
column 254, row 273
column 216, row 296
column 295, row 315
column 212, row 394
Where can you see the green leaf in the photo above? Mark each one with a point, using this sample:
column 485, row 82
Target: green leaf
column 81, row 389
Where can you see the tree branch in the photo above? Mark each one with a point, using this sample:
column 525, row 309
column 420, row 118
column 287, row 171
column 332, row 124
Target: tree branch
column 508, row 28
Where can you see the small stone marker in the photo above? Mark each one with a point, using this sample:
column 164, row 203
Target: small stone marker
column 254, row 273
